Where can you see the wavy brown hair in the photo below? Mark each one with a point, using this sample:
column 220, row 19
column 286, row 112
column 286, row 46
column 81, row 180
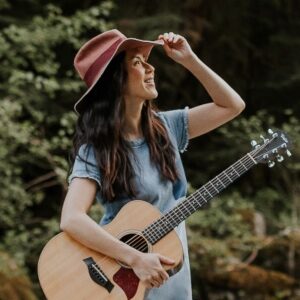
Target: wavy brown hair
column 100, row 125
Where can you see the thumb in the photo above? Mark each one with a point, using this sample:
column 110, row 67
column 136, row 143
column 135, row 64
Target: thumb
column 167, row 48
column 166, row 260
column 165, row 44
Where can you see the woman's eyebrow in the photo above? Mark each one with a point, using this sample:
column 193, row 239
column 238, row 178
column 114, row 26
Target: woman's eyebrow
column 139, row 57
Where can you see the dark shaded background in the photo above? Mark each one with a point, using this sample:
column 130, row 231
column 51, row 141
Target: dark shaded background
column 245, row 245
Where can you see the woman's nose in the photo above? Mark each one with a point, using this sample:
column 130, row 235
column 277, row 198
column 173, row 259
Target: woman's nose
column 149, row 68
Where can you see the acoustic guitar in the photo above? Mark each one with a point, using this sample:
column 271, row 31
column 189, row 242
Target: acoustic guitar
column 69, row 270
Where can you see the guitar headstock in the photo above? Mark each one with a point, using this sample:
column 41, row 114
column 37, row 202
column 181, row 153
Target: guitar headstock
column 272, row 148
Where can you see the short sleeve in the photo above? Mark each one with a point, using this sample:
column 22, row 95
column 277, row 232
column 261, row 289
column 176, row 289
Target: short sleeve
column 85, row 170
column 177, row 121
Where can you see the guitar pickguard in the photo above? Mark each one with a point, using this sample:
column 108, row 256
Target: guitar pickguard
column 128, row 281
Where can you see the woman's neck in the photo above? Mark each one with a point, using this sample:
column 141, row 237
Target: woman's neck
column 133, row 120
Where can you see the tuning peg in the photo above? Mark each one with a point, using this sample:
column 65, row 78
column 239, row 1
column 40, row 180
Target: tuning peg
column 263, row 138
column 279, row 158
column 283, row 146
column 253, row 143
column 288, row 153
column 271, row 164
column 270, row 131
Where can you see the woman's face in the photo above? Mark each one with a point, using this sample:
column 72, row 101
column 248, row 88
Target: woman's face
column 140, row 75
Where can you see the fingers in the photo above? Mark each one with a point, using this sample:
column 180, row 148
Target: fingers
column 176, row 38
column 170, row 37
column 156, row 283
column 150, row 270
column 162, row 276
column 159, row 280
column 166, row 260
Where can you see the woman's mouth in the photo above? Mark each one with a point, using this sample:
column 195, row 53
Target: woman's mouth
column 150, row 81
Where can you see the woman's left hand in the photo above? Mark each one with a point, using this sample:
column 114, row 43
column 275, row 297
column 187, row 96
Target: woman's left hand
column 176, row 47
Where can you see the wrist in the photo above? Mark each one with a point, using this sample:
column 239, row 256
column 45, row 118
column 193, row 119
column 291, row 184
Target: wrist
column 132, row 256
column 190, row 60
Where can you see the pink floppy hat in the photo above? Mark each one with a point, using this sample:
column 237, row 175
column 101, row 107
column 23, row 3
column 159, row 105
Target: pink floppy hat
column 94, row 56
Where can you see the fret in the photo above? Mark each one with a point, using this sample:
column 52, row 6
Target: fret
column 227, row 176
column 196, row 201
column 249, row 155
column 224, row 186
column 201, row 196
column 176, row 211
column 214, row 186
column 191, row 202
column 207, row 191
column 165, row 229
column 165, row 221
column 234, row 167
column 181, row 211
column 158, row 227
column 174, row 218
column 146, row 235
column 191, row 206
column 246, row 162
column 184, row 206
column 233, row 173
column 149, row 236
column 155, row 233
column 169, row 219
column 240, row 161
column 211, row 188
column 160, row 224
column 250, row 161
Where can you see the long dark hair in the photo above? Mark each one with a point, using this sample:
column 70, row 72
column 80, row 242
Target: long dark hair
column 100, row 125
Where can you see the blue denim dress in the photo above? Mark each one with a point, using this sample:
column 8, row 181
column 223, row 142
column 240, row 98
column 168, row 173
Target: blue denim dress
column 151, row 188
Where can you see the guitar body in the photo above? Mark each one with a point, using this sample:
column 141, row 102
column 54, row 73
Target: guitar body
column 64, row 274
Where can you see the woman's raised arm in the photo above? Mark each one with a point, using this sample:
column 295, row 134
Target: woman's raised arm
column 226, row 102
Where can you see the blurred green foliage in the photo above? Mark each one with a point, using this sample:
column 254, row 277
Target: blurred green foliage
column 254, row 45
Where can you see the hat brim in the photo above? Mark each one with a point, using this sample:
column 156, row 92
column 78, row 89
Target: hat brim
column 129, row 43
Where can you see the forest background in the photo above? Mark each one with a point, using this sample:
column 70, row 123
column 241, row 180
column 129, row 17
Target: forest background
column 245, row 244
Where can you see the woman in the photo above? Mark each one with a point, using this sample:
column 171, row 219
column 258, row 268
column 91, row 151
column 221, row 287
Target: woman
column 125, row 149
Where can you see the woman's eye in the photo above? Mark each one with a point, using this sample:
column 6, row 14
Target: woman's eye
column 137, row 62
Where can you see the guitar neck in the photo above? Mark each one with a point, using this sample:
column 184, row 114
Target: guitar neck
column 159, row 228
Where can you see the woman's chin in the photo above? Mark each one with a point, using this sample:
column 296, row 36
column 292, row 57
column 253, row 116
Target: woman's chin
column 149, row 94
column 153, row 94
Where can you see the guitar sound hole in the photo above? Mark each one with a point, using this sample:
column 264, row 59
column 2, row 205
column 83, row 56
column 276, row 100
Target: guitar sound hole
column 136, row 241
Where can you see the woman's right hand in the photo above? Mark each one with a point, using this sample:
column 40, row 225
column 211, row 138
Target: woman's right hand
column 148, row 267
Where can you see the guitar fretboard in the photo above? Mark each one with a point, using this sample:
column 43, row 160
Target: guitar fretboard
column 159, row 228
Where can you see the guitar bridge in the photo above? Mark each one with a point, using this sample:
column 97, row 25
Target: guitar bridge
column 97, row 274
